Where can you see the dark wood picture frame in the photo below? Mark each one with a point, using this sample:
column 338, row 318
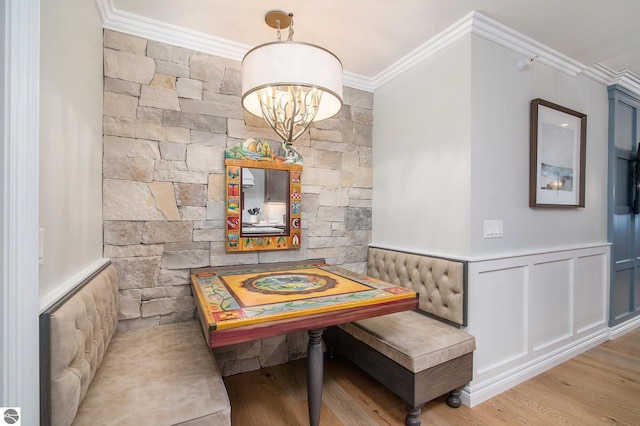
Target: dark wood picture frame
column 558, row 142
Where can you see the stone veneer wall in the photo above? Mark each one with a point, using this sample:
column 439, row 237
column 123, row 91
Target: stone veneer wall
column 169, row 113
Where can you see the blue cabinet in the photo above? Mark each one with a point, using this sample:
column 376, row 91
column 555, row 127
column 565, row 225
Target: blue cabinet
column 624, row 204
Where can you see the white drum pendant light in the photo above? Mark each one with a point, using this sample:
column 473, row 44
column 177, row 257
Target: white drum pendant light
column 290, row 84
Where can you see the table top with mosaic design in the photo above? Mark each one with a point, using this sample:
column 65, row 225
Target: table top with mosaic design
column 280, row 294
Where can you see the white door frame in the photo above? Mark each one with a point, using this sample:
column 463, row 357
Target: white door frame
column 19, row 89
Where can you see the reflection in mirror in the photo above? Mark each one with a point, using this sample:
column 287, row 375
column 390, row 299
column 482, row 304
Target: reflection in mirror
column 263, row 201
column 264, row 191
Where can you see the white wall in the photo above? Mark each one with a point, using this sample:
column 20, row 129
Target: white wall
column 451, row 139
column 500, row 97
column 70, row 144
column 539, row 295
column 451, row 150
column 421, row 155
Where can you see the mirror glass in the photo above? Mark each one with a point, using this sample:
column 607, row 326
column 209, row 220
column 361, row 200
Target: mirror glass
column 263, row 183
column 264, row 201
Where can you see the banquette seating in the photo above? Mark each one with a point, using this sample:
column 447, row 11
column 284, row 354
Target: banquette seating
column 419, row 355
column 92, row 374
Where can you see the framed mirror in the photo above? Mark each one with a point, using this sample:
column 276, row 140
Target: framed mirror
column 264, row 196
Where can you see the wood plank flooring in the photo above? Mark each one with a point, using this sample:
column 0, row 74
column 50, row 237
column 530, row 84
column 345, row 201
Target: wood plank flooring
column 600, row 386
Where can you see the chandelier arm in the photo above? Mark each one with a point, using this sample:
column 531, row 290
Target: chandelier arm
column 286, row 132
column 269, row 111
column 289, row 110
column 294, row 113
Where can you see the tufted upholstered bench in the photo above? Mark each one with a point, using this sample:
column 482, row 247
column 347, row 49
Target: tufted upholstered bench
column 92, row 374
column 422, row 354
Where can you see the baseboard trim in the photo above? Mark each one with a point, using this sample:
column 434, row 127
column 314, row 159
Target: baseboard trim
column 622, row 329
column 476, row 393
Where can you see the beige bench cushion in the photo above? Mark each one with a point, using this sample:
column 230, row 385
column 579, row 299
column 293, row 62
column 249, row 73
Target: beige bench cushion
column 411, row 339
column 163, row 375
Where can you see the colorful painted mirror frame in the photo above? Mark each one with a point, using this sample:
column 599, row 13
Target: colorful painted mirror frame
column 257, row 154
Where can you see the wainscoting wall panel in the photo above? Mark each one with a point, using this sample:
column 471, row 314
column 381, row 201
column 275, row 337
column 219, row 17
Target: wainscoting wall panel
column 550, row 303
column 591, row 271
column 531, row 312
column 494, row 319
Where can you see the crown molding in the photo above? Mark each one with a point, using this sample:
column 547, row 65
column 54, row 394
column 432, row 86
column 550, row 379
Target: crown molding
column 492, row 30
column 105, row 8
column 606, row 76
column 152, row 29
column 129, row 23
column 483, row 26
column 432, row 46
column 477, row 23
column 357, row 81
column 473, row 23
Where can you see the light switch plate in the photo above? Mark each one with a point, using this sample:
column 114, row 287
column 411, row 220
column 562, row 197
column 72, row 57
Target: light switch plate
column 492, row 229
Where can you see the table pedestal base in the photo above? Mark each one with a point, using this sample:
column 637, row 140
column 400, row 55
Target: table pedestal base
column 315, row 367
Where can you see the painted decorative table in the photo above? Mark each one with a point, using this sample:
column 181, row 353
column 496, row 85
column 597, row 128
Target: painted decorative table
column 243, row 303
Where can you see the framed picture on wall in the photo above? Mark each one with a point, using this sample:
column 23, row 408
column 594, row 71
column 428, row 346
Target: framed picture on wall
column 558, row 139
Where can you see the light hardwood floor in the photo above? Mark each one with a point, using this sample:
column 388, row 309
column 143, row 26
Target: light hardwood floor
column 601, row 386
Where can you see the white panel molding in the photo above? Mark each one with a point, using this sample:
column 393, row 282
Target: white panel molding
column 497, row 256
column 603, row 260
column 551, row 343
column 512, row 283
column 564, row 327
column 19, row 207
column 541, row 251
column 497, row 371
column 49, row 299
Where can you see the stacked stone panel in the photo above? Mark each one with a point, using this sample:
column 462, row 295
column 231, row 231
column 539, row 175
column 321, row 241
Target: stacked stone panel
column 169, row 113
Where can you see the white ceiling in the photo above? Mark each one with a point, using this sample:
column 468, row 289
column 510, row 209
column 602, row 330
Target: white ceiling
column 371, row 35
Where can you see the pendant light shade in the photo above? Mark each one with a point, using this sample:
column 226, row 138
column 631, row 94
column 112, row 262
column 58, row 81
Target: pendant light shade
column 291, row 84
